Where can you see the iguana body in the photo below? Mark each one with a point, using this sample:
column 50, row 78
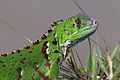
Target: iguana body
column 42, row 59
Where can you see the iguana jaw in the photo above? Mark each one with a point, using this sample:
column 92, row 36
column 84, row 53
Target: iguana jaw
column 67, row 47
column 85, row 36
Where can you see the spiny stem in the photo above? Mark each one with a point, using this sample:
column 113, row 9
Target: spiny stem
column 73, row 58
column 16, row 31
column 79, row 60
column 81, row 9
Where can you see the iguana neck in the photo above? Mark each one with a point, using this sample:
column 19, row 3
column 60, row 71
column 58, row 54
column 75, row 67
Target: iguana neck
column 51, row 50
column 51, row 47
column 52, row 41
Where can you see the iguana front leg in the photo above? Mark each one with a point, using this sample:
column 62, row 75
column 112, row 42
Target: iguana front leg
column 54, row 66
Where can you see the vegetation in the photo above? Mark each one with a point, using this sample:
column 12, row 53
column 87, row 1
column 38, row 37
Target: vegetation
column 103, row 64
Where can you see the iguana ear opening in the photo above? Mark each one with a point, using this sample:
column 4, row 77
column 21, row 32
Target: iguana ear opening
column 67, row 32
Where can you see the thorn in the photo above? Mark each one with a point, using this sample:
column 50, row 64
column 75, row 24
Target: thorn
column 60, row 20
column 4, row 54
column 27, row 47
column 36, row 42
column 52, row 25
column 43, row 37
column 55, row 23
column 12, row 52
column 18, row 50
column 49, row 30
column 46, row 33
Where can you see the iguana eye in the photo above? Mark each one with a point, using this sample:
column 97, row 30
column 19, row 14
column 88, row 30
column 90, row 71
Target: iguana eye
column 77, row 23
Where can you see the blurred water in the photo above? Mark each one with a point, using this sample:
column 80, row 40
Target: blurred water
column 33, row 17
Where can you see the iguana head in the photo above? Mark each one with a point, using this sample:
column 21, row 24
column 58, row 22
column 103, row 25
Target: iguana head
column 77, row 29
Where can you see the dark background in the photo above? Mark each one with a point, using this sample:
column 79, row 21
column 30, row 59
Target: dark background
column 33, row 17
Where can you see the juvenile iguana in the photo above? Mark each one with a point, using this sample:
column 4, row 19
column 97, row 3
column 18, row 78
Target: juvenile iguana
column 42, row 59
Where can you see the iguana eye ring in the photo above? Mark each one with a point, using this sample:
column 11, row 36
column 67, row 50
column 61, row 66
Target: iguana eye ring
column 77, row 23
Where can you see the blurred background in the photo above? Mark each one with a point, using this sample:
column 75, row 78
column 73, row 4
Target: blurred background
column 33, row 17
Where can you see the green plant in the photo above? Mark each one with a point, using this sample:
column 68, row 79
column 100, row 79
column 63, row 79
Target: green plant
column 103, row 63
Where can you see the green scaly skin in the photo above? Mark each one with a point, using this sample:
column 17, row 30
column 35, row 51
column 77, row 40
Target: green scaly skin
column 41, row 60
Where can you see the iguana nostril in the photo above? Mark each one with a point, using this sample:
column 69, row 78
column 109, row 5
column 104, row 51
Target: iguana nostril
column 95, row 22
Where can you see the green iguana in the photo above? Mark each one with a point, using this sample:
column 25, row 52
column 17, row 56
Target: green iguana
column 41, row 60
